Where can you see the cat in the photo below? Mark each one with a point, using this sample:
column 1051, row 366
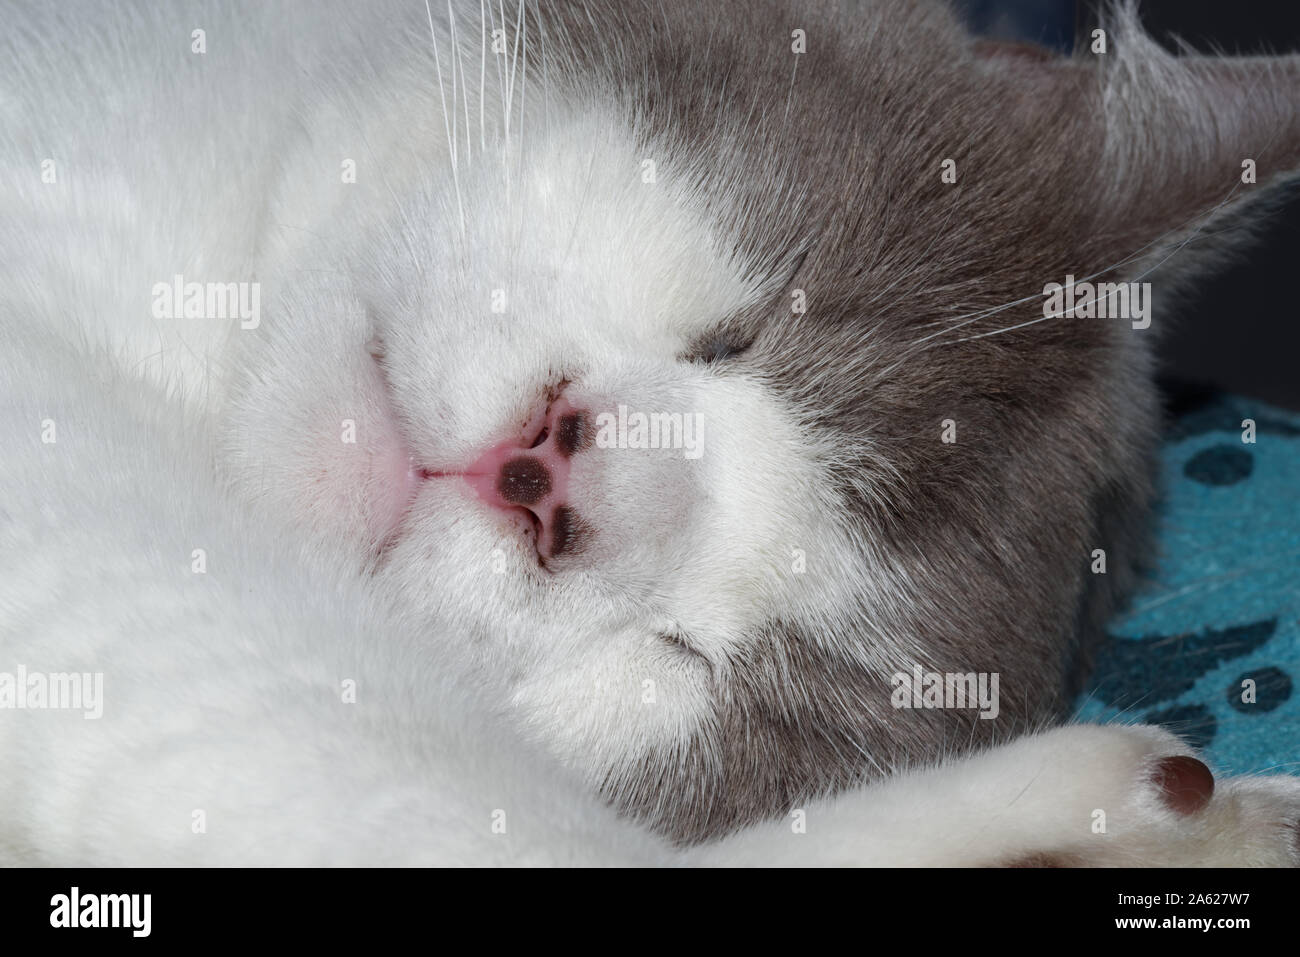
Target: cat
column 333, row 339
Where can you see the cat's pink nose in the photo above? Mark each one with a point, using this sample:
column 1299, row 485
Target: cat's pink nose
column 532, row 474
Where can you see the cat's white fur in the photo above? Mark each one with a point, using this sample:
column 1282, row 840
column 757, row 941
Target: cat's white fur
column 492, row 698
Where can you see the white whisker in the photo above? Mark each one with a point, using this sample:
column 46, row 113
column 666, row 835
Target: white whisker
column 510, row 89
column 523, row 85
column 464, row 83
column 482, row 78
column 546, row 83
column 437, row 64
column 455, row 90
column 501, row 83
column 1173, row 252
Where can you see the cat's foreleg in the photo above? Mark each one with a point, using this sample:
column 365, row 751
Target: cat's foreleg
column 1081, row 795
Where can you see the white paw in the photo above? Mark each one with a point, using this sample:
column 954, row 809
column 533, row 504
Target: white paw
column 1155, row 804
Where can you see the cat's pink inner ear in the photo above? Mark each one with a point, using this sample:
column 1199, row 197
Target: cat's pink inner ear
column 1015, row 51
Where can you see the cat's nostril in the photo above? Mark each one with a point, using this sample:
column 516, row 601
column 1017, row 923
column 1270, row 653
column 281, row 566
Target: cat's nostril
column 524, row 481
column 573, row 434
column 569, row 533
column 529, row 477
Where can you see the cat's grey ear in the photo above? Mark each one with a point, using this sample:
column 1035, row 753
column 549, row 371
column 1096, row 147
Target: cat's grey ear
column 1194, row 145
column 1189, row 140
column 1172, row 151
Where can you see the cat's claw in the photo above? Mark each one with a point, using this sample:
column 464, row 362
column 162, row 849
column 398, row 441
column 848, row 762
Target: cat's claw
column 1175, row 814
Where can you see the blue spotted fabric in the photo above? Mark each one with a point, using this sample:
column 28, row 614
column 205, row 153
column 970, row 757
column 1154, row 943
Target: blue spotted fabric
column 1210, row 646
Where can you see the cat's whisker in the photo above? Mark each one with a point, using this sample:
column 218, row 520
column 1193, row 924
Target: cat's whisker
column 954, row 323
column 512, row 67
column 1127, row 714
column 455, row 88
column 546, row 82
column 521, row 48
column 446, row 118
column 482, row 77
column 1271, row 561
column 1205, row 219
column 1138, row 278
column 501, row 89
column 1262, row 772
column 464, row 84
column 1076, row 713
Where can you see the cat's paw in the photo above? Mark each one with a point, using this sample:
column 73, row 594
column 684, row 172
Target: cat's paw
column 1158, row 805
column 1234, row 822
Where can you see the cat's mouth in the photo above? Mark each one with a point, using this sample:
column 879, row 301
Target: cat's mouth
column 394, row 478
column 522, row 482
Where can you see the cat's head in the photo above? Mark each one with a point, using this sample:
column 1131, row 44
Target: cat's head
column 689, row 409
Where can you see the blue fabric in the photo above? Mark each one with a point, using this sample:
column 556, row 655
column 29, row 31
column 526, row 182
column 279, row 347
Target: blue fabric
column 1223, row 605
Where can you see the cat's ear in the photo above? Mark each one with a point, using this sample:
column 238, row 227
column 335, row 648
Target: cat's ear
column 1169, row 152
column 1191, row 141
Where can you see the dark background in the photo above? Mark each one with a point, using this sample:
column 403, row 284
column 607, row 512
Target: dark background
column 1240, row 332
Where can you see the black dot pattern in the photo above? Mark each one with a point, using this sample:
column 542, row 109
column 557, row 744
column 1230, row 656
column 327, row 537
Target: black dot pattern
column 1220, row 465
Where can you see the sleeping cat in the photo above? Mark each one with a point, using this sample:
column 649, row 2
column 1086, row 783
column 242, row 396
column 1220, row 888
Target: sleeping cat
column 562, row 434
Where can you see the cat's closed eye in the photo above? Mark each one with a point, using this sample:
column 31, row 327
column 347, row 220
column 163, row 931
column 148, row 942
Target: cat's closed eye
column 719, row 347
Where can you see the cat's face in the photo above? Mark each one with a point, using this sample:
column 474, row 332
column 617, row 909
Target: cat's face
column 463, row 415
column 701, row 404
